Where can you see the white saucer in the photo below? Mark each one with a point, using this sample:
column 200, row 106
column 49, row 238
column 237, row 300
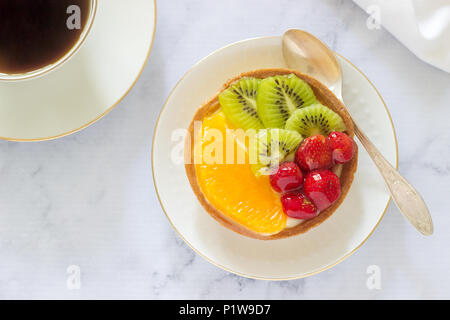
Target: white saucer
column 298, row 256
column 88, row 86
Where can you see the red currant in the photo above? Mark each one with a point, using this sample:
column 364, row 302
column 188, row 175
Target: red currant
column 287, row 177
column 296, row 205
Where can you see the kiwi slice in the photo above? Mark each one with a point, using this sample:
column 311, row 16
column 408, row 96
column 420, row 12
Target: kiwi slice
column 279, row 96
column 238, row 102
column 270, row 147
column 315, row 119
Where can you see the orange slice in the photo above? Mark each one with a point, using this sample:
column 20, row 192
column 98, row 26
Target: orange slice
column 232, row 188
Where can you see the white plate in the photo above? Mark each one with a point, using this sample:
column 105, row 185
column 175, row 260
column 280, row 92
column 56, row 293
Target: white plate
column 298, row 256
column 92, row 83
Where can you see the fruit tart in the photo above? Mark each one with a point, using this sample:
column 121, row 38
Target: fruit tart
column 271, row 155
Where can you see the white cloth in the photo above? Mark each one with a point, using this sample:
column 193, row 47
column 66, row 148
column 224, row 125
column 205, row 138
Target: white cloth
column 423, row 26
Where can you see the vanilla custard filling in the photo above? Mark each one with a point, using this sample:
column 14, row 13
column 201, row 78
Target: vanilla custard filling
column 292, row 222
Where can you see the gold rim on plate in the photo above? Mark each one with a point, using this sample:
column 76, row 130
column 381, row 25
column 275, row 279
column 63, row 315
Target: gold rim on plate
column 236, row 272
column 107, row 110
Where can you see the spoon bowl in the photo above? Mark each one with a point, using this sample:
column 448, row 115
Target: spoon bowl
column 303, row 52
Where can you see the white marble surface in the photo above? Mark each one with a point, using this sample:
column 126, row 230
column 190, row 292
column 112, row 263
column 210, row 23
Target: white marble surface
column 88, row 199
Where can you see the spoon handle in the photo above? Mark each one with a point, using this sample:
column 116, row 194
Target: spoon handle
column 408, row 200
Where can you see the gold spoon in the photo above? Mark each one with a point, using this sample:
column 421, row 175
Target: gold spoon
column 304, row 52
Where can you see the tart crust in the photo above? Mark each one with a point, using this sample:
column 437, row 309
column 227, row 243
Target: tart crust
column 327, row 98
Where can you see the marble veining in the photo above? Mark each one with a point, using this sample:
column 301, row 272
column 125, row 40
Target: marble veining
column 88, row 199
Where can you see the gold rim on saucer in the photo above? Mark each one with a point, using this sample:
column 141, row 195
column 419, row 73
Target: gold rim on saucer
column 236, row 272
column 107, row 110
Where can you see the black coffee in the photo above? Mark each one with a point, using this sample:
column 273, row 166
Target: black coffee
column 36, row 33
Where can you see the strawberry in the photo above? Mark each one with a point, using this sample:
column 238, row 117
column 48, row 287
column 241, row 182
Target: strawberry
column 322, row 187
column 314, row 153
column 342, row 145
column 296, row 205
column 287, row 177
